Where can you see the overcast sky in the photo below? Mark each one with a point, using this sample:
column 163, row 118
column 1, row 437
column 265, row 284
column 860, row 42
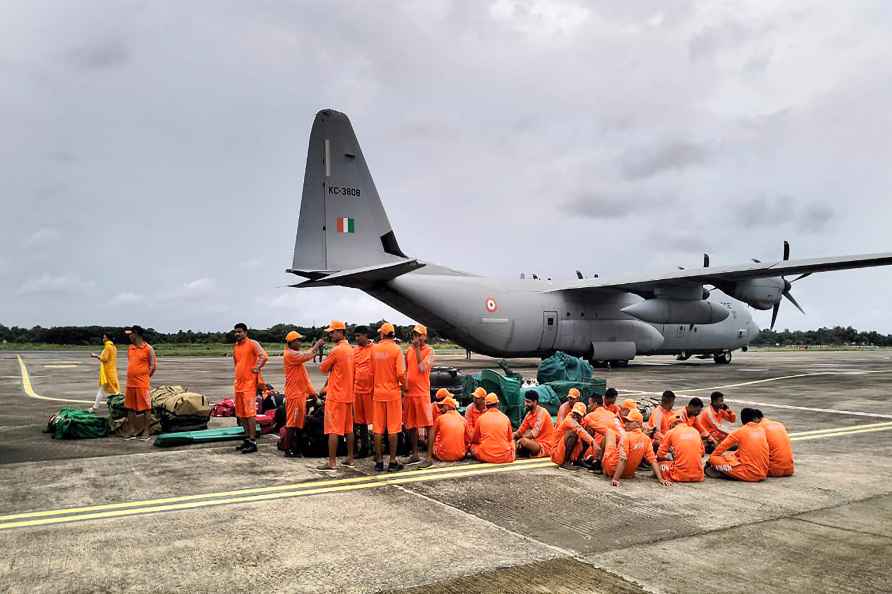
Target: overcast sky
column 152, row 153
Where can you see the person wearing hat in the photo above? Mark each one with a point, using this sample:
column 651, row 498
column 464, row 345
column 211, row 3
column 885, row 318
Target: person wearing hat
column 417, row 403
column 363, row 389
column 389, row 376
column 297, row 389
column 477, row 408
column 338, row 418
column 141, row 365
column 572, row 443
column 248, row 358
column 447, row 440
column 610, row 397
column 535, row 435
column 627, row 406
column 685, row 465
column 599, row 420
column 442, row 393
column 492, row 440
column 573, row 396
column 623, row 453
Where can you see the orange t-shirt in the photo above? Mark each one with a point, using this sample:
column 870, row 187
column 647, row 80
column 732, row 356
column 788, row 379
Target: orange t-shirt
column 780, row 450
column 339, row 367
column 492, row 439
column 246, row 356
column 601, row 421
column 635, row 446
column 687, row 453
column 568, row 424
column 363, row 383
column 614, row 408
column 752, row 451
column 297, row 380
column 140, row 360
column 563, row 411
column 388, row 372
column 659, row 420
column 418, row 383
column 450, row 441
column 716, row 422
column 472, row 413
column 539, row 422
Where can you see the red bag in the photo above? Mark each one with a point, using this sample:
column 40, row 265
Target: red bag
column 266, row 423
column 224, row 408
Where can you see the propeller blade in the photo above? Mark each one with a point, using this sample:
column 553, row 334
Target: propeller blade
column 756, row 261
column 774, row 314
column 786, row 250
column 789, row 296
column 578, row 275
column 705, row 260
column 801, row 276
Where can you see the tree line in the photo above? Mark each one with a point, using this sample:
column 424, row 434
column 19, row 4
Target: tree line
column 836, row 336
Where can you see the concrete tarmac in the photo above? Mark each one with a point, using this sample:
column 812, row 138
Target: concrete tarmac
column 208, row 519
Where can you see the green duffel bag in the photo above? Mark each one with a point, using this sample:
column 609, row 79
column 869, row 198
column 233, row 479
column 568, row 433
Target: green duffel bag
column 595, row 386
column 116, row 408
column 563, row 367
column 74, row 423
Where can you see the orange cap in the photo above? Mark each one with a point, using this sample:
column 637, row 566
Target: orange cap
column 386, row 328
column 491, row 399
column 293, row 335
column 449, row 402
column 673, row 420
column 443, row 393
column 336, row 325
column 419, row 329
column 635, row 415
column 479, row 392
column 579, row 409
column 574, row 393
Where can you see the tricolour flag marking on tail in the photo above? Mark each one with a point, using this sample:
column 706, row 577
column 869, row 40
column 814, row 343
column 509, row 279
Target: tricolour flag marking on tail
column 346, row 225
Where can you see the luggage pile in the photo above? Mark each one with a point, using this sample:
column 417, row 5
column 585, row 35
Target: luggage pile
column 75, row 423
column 179, row 409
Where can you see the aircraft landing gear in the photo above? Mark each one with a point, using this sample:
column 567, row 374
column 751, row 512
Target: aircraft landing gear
column 682, row 357
column 722, row 358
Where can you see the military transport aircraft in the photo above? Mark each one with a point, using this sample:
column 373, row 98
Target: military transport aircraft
column 344, row 239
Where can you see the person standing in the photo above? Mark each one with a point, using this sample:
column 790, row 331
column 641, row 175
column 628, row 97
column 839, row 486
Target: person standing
column 248, row 358
column 417, row 403
column 141, row 366
column 338, row 420
column 389, row 377
column 363, row 388
column 297, row 389
column 108, row 372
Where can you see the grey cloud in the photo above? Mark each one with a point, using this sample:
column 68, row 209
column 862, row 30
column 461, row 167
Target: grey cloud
column 100, row 54
column 49, row 284
column 637, row 163
column 782, row 210
column 704, row 44
column 814, row 217
column 598, row 206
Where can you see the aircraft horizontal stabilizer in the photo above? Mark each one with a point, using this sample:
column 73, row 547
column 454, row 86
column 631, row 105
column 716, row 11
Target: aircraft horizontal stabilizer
column 358, row 278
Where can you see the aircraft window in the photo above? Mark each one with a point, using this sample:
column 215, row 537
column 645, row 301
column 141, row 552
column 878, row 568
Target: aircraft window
column 582, row 314
column 568, row 314
column 551, row 321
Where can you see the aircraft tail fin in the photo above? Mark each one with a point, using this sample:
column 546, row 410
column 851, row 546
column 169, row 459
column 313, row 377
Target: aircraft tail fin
column 342, row 224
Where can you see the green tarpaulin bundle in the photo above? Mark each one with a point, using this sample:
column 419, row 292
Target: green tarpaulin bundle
column 190, row 437
column 596, row 385
column 116, row 408
column 562, row 367
column 74, row 423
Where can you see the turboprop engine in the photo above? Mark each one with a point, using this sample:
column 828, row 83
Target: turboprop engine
column 761, row 293
column 663, row 310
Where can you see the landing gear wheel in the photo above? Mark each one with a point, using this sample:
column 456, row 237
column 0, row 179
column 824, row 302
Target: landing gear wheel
column 722, row 358
column 682, row 357
column 620, row 363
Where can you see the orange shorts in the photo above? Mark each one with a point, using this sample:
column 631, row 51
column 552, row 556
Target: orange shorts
column 338, row 418
column 417, row 412
column 362, row 408
column 138, row 399
column 295, row 412
column 387, row 416
column 246, row 405
column 730, row 466
column 676, row 475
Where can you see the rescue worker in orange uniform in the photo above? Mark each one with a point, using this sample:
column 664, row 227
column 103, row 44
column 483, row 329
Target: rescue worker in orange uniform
column 363, row 389
column 658, row 422
column 141, row 366
column 684, row 443
column 716, row 420
column 780, row 450
column 573, row 397
column 248, row 358
column 624, row 453
column 338, row 419
column 627, row 406
column 417, row 402
column 438, row 397
column 492, row 439
column 750, row 462
column 598, row 422
column 572, row 442
column 690, row 415
column 477, row 408
column 389, row 377
column 448, row 437
column 297, row 389
column 535, row 435
column 610, row 397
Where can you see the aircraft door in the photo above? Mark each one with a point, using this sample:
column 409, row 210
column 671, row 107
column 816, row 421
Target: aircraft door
column 549, row 330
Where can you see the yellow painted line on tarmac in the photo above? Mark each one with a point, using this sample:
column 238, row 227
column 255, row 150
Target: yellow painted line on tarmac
column 29, row 389
column 392, row 480
column 273, row 489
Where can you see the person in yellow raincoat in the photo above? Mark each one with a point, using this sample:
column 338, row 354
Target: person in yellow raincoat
column 108, row 372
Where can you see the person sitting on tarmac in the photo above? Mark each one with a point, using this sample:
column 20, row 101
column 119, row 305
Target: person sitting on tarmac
column 751, row 460
column 535, row 434
column 492, row 438
column 623, row 454
column 715, row 420
column 572, row 443
column 689, row 415
column 780, row 450
column 626, row 407
column 681, row 452
column 598, row 422
column 448, row 437
column 573, row 396
column 610, row 397
column 658, row 423
column 477, row 408
column 441, row 394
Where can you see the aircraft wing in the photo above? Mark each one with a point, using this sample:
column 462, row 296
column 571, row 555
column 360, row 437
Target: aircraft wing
column 640, row 283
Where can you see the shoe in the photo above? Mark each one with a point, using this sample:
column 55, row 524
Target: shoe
column 394, row 467
column 425, row 464
column 244, row 444
column 325, row 467
column 596, row 468
column 250, row 448
column 412, row 461
column 379, row 466
column 567, row 466
column 349, row 463
column 291, row 454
